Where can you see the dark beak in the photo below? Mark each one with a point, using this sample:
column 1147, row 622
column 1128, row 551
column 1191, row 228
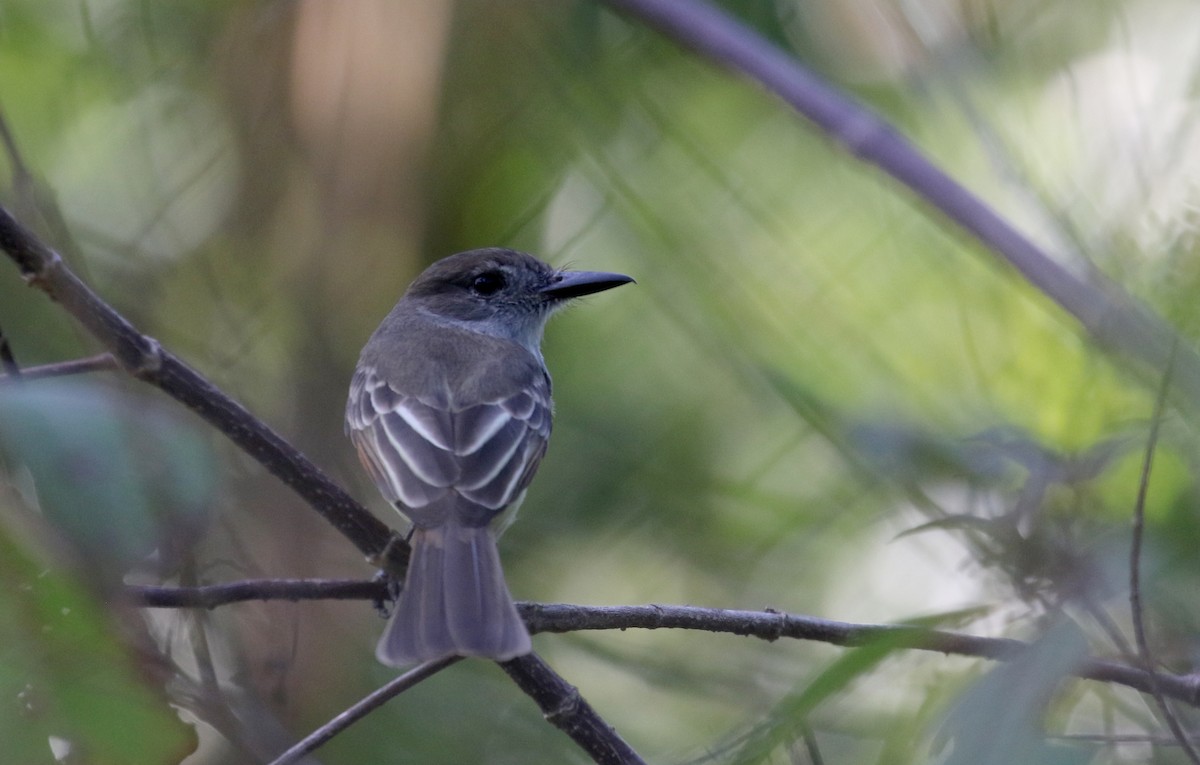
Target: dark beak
column 572, row 284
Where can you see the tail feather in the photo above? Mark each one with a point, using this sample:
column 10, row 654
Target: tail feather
column 454, row 602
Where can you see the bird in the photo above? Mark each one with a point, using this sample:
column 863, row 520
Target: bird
column 450, row 413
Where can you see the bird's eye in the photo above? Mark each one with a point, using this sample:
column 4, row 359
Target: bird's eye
column 488, row 283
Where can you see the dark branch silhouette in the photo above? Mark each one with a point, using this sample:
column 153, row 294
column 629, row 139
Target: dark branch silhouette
column 213, row 595
column 361, row 709
column 144, row 358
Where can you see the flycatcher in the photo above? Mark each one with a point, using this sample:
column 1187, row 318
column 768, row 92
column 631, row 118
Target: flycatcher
column 450, row 412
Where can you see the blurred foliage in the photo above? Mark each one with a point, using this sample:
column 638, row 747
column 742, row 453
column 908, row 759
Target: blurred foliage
column 118, row 478
column 981, row 733
column 71, row 685
column 818, row 398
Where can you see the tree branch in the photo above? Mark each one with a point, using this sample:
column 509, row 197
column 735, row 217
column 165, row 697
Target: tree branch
column 772, row 625
column 361, row 709
column 213, row 595
column 766, row 625
column 1113, row 319
column 8, row 362
column 145, row 359
column 565, row 709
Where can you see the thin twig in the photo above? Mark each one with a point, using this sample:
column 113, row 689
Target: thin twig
column 765, row 625
column 1137, row 610
column 369, row 703
column 773, row 625
column 1113, row 319
column 213, row 595
column 97, row 363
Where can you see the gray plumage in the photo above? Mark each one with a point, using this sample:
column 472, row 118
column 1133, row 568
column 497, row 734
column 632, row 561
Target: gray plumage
column 450, row 411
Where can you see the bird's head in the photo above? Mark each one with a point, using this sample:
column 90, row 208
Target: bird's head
column 502, row 292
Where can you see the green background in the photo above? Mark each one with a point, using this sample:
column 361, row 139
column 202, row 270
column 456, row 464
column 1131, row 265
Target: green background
column 811, row 365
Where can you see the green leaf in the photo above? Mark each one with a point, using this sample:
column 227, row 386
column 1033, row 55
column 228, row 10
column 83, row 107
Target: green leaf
column 786, row 720
column 68, row 682
column 998, row 720
column 115, row 475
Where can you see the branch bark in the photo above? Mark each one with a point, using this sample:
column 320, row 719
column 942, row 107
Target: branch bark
column 765, row 625
column 773, row 625
column 565, row 709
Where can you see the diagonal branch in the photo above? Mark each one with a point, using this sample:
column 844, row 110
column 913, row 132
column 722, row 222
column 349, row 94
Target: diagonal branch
column 145, row 359
column 1113, row 319
column 565, row 709
column 361, row 709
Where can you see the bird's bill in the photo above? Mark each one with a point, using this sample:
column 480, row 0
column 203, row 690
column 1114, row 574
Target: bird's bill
column 571, row 284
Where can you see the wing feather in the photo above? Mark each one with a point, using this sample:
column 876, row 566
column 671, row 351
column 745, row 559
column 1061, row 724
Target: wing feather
column 520, row 406
column 475, row 426
column 418, row 454
column 434, row 425
column 392, row 473
column 484, row 464
column 425, row 458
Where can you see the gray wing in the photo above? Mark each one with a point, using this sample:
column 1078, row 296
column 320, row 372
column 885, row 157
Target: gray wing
column 431, row 461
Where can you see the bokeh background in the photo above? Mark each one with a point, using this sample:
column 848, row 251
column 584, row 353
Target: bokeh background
column 819, row 398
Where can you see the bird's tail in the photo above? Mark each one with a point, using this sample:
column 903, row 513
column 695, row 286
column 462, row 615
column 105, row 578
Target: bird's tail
column 454, row 602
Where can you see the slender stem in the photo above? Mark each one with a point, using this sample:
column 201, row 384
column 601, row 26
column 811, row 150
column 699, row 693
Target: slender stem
column 1137, row 610
column 97, row 363
column 362, row 708
column 773, row 625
